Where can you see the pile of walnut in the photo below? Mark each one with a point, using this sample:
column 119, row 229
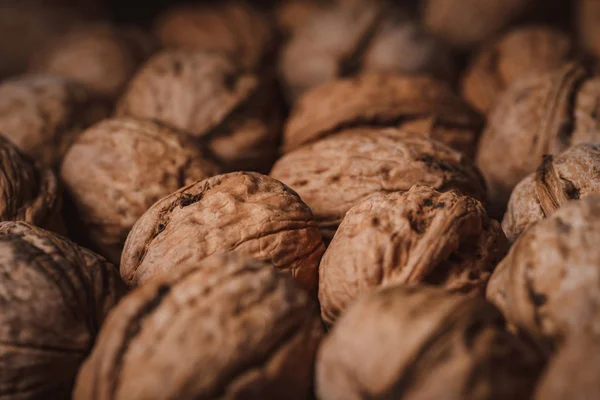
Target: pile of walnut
column 301, row 199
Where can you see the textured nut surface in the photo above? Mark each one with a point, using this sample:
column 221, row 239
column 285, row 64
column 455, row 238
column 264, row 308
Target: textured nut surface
column 54, row 295
column 338, row 172
column 43, row 114
column 548, row 284
column 418, row 103
column 223, row 328
column 571, row 175
column 119, row 167
column 241, row 211
column 535, row 116
column 524, row 51
column 423, row 343
column 419, row 236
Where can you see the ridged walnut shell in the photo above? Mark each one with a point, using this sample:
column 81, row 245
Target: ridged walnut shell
column 340, row 171
column 548, row 284
column 54, row 295
column 423, row 343
column 535, row 116
column 119, row 167
column 416, row 103
column 241, row 211
column 43, row 115
column 226, row 327
column 415, row 237
column 522, row 52
column 571, row 175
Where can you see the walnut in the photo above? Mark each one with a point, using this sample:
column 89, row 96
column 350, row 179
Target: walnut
column 419, row 236
column 415, row 103
column 291, row 15
column 157, row 160
column 244, row 331
column 535, row 116
column 54, row 296
column 210, row 97
column 571, row 175
column 360, row 37
column 338, row 172
column 43, row 114
column 587, row 17
column 548, row 284
column 524, row 51
column 423, row 343
column 242, row 211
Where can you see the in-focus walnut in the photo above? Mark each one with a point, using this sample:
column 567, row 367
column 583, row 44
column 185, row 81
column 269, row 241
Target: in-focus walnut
column 588, row 29
column 242, row 211
column 466, row 23
column 43, row 114
column 535, row 116
column 338, row 172
column 571, row 175
column 100, row 56
column 416, row 103
column 360, row 37
column 209, row 96
column 226, row 327
column 119, row 167
column 524, row 51
column 54, row 295
column 419, row 236
column 423, row 343
column 549, row 283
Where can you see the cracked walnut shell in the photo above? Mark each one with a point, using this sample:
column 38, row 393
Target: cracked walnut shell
column 240, row 211
column 415, row 237
column 54, row 295
column 423, row 343
column 226, row 327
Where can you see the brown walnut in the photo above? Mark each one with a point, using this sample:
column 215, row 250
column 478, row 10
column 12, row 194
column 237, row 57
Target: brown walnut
column 522, row 52
column 241, row 211
column 119, row 167
column 588, row 29
column 226, row 327
column 415, row 237
column 571, row 175
column 292, row 15
column 54, row 297
column 423, row 343
column 538, row 115
column 338, row 172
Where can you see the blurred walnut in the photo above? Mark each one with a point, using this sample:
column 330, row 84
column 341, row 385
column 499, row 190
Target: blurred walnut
column 571, row 175
column 119, row 167
column 420, row 236
column 210, row 97
column 336, row 173
column 522, row 52
column 226, row 327
column 539, row 115
column 415, row 103
column 292, row 15
column 588, row 28
column 54, row 296
column 423, row 343
column 549, row 283
column 357, row 37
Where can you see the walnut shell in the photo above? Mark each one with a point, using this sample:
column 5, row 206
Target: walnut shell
column 587, row 17
column 571, row 175
column 54, row 297
column 338, row 172
column 423, row 343
column 157, row 159
column 535, row 116
column 548, row 284
column 291, row 15
column 419, row 236
column 242, row 330
column 416, row 103
column 242, row 211
column 43, row 114
column 524, row 51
